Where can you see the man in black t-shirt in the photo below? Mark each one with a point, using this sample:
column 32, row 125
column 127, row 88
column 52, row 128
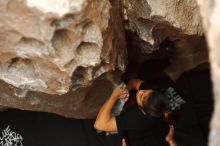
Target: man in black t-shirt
column 142, row 122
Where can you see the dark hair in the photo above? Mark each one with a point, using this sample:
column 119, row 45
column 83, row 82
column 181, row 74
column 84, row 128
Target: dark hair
column 156, row 104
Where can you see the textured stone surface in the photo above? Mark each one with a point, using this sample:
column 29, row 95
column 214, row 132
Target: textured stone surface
column 52, row 52
column 145, row 15
column 210, row 11
column 155, row 21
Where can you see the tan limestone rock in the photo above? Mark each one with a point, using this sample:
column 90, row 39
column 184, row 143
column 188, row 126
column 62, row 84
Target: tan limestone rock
column 52, row 52
column 156, row 21
column 210, row 11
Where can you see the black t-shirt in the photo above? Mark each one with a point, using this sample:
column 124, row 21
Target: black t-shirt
column 166, row 86
column 140, row 129
column 27, row 128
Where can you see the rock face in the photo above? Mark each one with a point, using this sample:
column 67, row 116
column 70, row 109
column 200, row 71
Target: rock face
column 210, row 11
column 56, row 54
column 156, row 21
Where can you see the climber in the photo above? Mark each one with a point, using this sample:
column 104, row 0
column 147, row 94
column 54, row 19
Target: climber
column 143, row 119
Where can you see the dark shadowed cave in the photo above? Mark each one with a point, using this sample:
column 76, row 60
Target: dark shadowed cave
column 38, row 128
column 48, row 129
column 56, row 74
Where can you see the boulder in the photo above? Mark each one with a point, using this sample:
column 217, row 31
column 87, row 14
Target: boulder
column 55, row 54
column 176, row 21
column 210, row 12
